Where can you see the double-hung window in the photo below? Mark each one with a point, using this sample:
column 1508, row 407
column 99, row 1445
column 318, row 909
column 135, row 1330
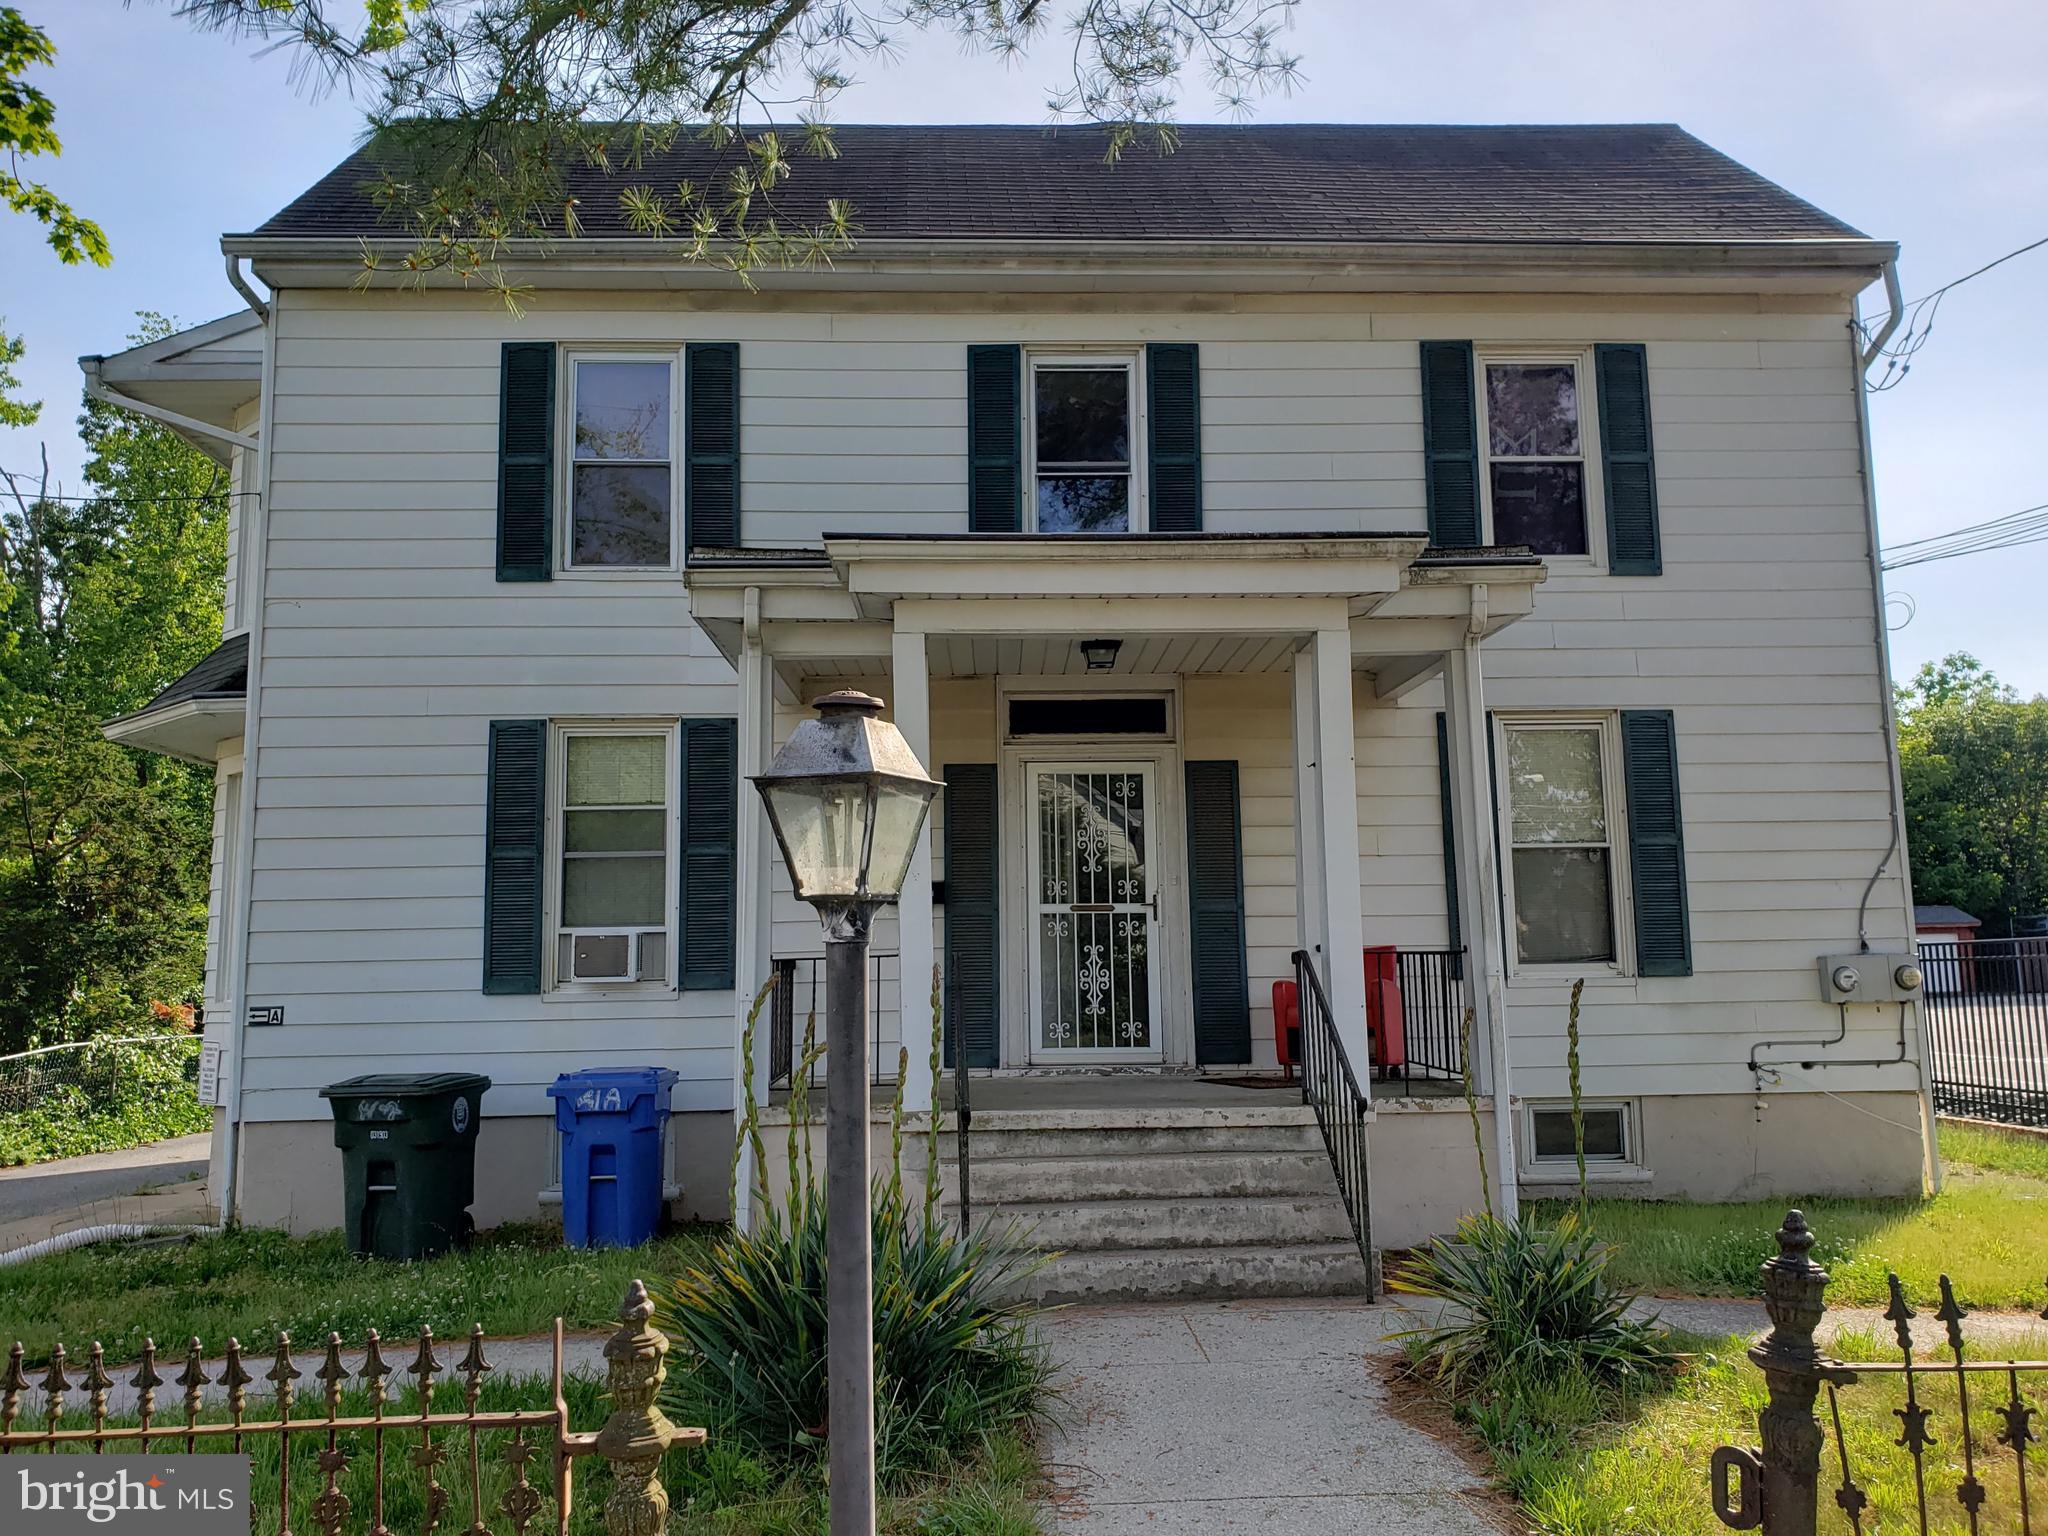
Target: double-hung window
column 1084, row 413
column 1561, row 799
column 621, row 491
column 1535, row 440
column 613, row 896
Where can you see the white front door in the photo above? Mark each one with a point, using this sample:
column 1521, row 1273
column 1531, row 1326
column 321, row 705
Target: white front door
column 1095, row 912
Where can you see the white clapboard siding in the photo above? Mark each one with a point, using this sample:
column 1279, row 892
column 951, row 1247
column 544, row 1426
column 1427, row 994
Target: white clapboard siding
column 389, row 646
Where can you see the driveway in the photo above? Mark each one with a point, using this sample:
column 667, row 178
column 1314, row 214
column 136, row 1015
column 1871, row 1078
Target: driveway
column 1240, row 1417
column 44, row 1198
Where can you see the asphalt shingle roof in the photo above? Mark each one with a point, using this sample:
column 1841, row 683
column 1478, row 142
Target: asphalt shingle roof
column 222, row 673
column 1299, row 182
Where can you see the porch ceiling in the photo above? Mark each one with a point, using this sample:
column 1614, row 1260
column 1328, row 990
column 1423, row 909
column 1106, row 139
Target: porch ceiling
column 1152, row 655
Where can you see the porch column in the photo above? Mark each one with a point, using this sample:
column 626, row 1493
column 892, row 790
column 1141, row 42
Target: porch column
column 753, row 883
column 1337, row 791
column 1308, row 812
column 911, row 703
column 1474, row 836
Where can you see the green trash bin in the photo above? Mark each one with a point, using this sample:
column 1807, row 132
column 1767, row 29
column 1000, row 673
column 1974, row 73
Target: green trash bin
column 408, row 1159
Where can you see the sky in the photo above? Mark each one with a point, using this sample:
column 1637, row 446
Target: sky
column 1922, row 124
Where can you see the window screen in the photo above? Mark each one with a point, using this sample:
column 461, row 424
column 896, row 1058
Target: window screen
column 1606, row 1135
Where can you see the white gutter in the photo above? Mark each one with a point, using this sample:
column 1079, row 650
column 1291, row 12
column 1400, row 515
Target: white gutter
column 1888, row 728
column 244, row 847
column 99, row 389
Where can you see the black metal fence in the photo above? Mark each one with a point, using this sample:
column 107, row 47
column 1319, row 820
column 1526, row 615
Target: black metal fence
column 1432, row 985
column 1986, row 1007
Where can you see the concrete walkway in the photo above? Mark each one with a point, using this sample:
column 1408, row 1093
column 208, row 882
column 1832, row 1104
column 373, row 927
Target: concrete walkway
column 1244, row 1416
column 160, row 1182
column 2020, row 1335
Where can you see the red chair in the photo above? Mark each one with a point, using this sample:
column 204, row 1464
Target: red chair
column 1287, row 1024
column 1384, row 1026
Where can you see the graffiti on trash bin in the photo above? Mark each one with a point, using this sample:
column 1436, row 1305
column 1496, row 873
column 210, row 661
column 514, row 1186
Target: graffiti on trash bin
column 379, row 1109
column 600, row 1100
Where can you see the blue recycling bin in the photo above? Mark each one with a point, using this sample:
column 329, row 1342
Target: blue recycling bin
column 614, row 1127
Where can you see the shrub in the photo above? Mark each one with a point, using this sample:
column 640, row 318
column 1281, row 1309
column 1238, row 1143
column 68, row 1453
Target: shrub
column 953, row 1355
column 1527, row 1301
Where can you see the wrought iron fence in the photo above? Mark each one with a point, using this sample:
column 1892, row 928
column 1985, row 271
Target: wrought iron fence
column 1985, row 1003
column 1329, row 1085
column 99, row 1072
column 1432, row 983
column 350, row 1469
column 1948, row 1404
column 797, row 1013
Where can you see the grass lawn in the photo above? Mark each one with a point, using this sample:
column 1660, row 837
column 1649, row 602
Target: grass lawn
column 1987, row 1229
column 249, row 1284
column 1590, row 1463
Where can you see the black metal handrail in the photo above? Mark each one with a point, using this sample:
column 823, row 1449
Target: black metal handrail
column 1330, row 1087
column 1985, row 1003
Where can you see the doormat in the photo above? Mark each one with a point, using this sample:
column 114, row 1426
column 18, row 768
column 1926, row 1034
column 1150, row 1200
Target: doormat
column 1293, row 1083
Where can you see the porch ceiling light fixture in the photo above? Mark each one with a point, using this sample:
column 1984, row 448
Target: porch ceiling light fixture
column 847, row 799
column 1101, row 654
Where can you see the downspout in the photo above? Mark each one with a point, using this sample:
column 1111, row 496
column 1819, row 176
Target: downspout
column 240, row 282
column 1888, row 727
column 252, row 584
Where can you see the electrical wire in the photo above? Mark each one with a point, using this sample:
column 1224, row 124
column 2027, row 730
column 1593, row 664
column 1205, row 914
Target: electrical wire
column 2028, row 526
column 1920, row 315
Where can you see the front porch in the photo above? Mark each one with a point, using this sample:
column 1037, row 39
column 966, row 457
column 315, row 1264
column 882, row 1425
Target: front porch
column 1154, row 800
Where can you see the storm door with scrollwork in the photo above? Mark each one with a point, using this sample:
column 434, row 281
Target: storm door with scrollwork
column 1095, row 912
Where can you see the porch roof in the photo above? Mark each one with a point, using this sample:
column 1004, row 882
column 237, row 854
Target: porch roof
column 833, row 611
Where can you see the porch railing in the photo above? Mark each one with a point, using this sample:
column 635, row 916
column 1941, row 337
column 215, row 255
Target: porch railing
column 1331, row 1088
column 1432, row 985
column 797, row 1009
column 1986, row 1008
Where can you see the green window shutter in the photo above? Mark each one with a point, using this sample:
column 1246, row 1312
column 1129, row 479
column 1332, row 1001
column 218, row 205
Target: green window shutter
column 711, row 486
column 995, row 429
column 1450, row 444
column 1173, row 428
column 515, row 836
column 1628, row 464
column 1656, row 842
column 1455, row 923
column 973, row 922
column 707, row 895
column 526, row 461
column 1223, row 1007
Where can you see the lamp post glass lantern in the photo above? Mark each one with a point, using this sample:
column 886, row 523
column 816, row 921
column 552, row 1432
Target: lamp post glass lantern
column 847, row 799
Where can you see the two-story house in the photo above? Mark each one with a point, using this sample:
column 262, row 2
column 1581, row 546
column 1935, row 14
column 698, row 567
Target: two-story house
column 1421, row 567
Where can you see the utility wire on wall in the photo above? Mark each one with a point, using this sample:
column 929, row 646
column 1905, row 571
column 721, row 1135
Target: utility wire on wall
column 1919, row 322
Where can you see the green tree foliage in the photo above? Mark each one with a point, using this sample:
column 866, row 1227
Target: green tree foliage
column 104, row 851
column 479, row 106
column 28, row 128
column 1973, row 758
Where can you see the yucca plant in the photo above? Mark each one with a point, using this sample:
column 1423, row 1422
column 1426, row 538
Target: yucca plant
column 1528, row 1300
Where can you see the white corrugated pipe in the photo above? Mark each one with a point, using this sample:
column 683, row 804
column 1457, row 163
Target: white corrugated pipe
column 83, row 1237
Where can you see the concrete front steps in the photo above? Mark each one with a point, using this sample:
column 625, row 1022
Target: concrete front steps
column 1163, row 1204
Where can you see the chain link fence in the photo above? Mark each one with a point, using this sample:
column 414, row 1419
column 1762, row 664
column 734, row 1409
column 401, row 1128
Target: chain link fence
column 99, row 1095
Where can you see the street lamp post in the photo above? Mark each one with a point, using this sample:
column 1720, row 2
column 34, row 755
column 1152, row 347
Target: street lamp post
column 847, row 799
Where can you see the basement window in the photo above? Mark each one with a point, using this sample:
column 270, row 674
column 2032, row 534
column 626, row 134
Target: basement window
column 1608, row 1138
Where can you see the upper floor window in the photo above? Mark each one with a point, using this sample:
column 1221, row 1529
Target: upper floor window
column 1562, row 840
column 1083, row 423
column 612, row 901
column 1535, row 443
column 621, row 499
